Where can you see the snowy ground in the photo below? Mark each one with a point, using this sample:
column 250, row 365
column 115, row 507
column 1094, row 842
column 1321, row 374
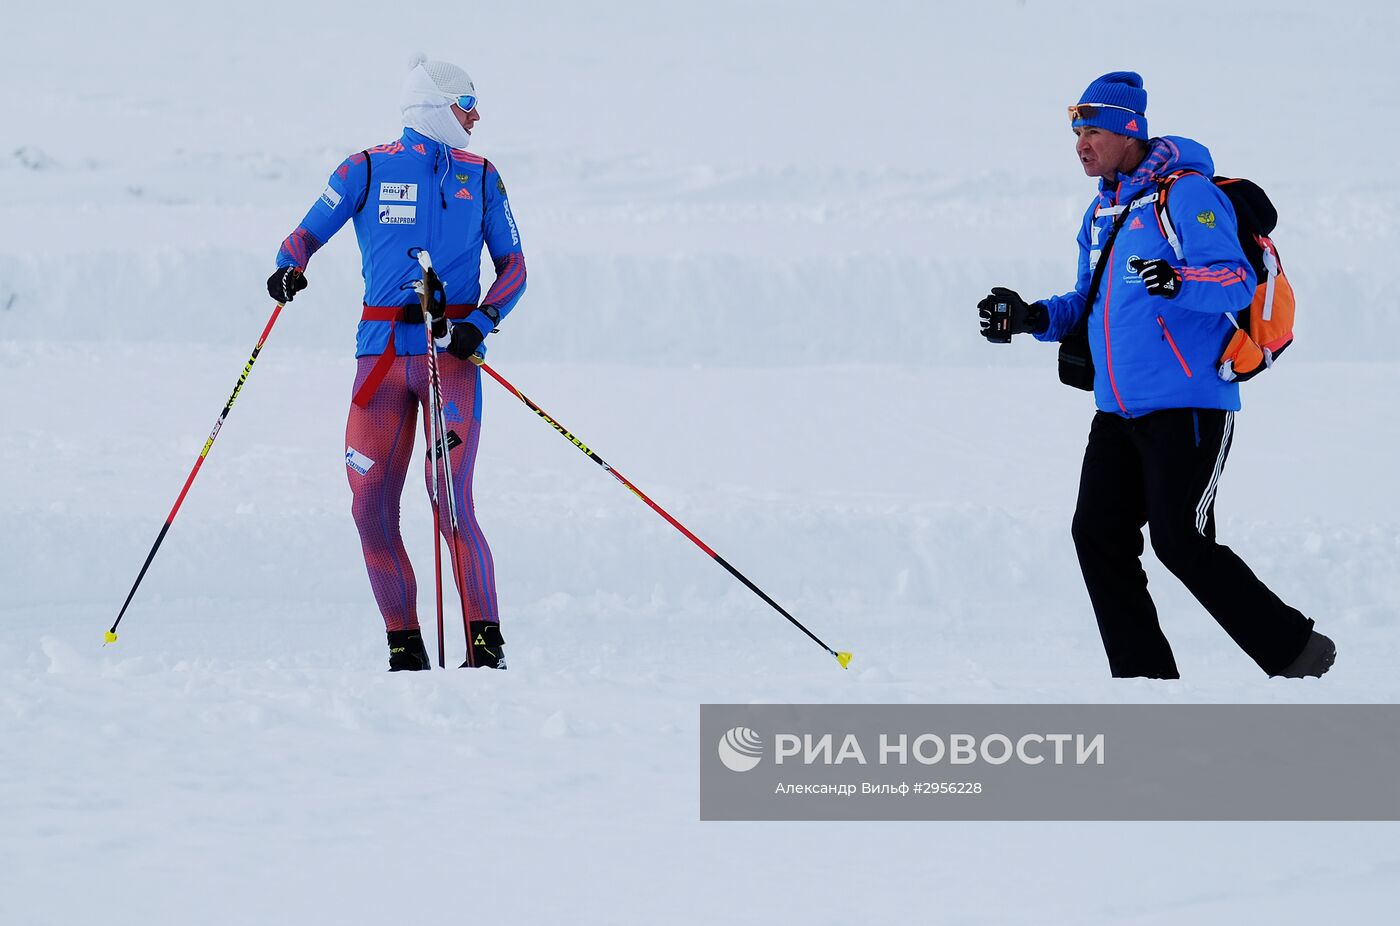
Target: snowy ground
column 239, row 755
column 753, row 298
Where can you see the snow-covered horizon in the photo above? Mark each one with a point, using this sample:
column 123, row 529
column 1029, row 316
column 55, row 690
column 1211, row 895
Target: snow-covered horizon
column 756, row 233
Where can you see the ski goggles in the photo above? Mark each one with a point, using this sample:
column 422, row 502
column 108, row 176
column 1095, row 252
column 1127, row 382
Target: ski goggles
column 467, row 101
column 1087, row 111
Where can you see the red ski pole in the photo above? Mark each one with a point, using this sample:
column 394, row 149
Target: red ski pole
column 437, row 571
column 111, row 635
column 843, row 658
column 441, row 450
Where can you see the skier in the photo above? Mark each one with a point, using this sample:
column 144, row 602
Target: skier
column 1165, row 420
column 423, row 190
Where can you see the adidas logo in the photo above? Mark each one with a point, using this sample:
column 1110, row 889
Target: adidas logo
column 463, row 194
column 1132, row 125
column 1136, row 223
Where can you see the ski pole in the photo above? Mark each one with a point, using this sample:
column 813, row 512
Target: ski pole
column 111, row 635
column 843, row 658
column 454, row 529
column 437, row 571
column 433, row 452
column 426, row 288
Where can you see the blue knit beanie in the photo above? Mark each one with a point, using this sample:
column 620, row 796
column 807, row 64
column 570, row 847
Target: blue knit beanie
column 1117, row 89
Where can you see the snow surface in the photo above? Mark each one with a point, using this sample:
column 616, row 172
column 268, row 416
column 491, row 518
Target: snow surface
column 755, row 234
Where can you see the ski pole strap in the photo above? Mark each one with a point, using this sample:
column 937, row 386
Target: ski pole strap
column 411, row 314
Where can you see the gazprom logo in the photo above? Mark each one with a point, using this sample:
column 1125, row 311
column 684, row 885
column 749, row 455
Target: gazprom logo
column 397, row 215
column 357, row 461
column 740, row 749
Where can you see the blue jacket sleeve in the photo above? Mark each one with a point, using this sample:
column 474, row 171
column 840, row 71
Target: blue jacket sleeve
column 503, row 242
column 337, row 203
column 1215, row 277
column 1064, row 312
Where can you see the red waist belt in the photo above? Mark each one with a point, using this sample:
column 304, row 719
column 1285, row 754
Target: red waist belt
column 403, row 314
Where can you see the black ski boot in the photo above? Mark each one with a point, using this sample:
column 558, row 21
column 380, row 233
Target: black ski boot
column 406, row 652
column 1316, row 658
column 488, row 646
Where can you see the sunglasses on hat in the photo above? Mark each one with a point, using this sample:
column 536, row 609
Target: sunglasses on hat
column 1079, row 111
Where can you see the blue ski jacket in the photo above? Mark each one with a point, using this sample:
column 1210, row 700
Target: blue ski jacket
column 1152, row 353
column 417, row 192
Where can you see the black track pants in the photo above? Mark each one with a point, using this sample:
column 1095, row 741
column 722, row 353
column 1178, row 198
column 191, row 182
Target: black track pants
column 1162, row 470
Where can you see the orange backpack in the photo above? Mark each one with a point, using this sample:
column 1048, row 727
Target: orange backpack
column 1265, row 328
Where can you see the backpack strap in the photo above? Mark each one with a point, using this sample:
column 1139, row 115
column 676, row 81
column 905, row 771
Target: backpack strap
column 1164, row 218
column 1271, row 264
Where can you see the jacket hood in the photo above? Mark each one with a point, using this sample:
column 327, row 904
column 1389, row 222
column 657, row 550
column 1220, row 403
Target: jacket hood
column 1166, row 154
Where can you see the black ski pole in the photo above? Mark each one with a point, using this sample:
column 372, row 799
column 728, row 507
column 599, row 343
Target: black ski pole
column 111, row 635
column 843, row 658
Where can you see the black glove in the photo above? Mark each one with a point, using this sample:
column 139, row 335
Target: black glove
column 285, row 283
column 466, row 338
column 433, row 297
column 1160, row 277
column 1020, row 318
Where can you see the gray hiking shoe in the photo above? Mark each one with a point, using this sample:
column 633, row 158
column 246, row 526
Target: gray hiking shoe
column 1313, row 662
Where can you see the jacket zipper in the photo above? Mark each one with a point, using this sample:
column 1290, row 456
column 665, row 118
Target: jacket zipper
column 425, row 201
column 1107, row 299
column 1172, row 341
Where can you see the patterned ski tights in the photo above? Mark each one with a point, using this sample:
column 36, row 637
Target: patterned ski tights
column 378, row 451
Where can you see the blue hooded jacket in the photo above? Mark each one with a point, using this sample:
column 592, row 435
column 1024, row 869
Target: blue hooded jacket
column 417, row 192
column 1151, row 353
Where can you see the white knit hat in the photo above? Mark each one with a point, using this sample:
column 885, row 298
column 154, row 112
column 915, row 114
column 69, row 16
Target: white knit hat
column 450, row 79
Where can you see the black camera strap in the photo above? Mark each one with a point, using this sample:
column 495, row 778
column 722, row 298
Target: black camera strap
column 1076, row 363
column 1103, row 262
